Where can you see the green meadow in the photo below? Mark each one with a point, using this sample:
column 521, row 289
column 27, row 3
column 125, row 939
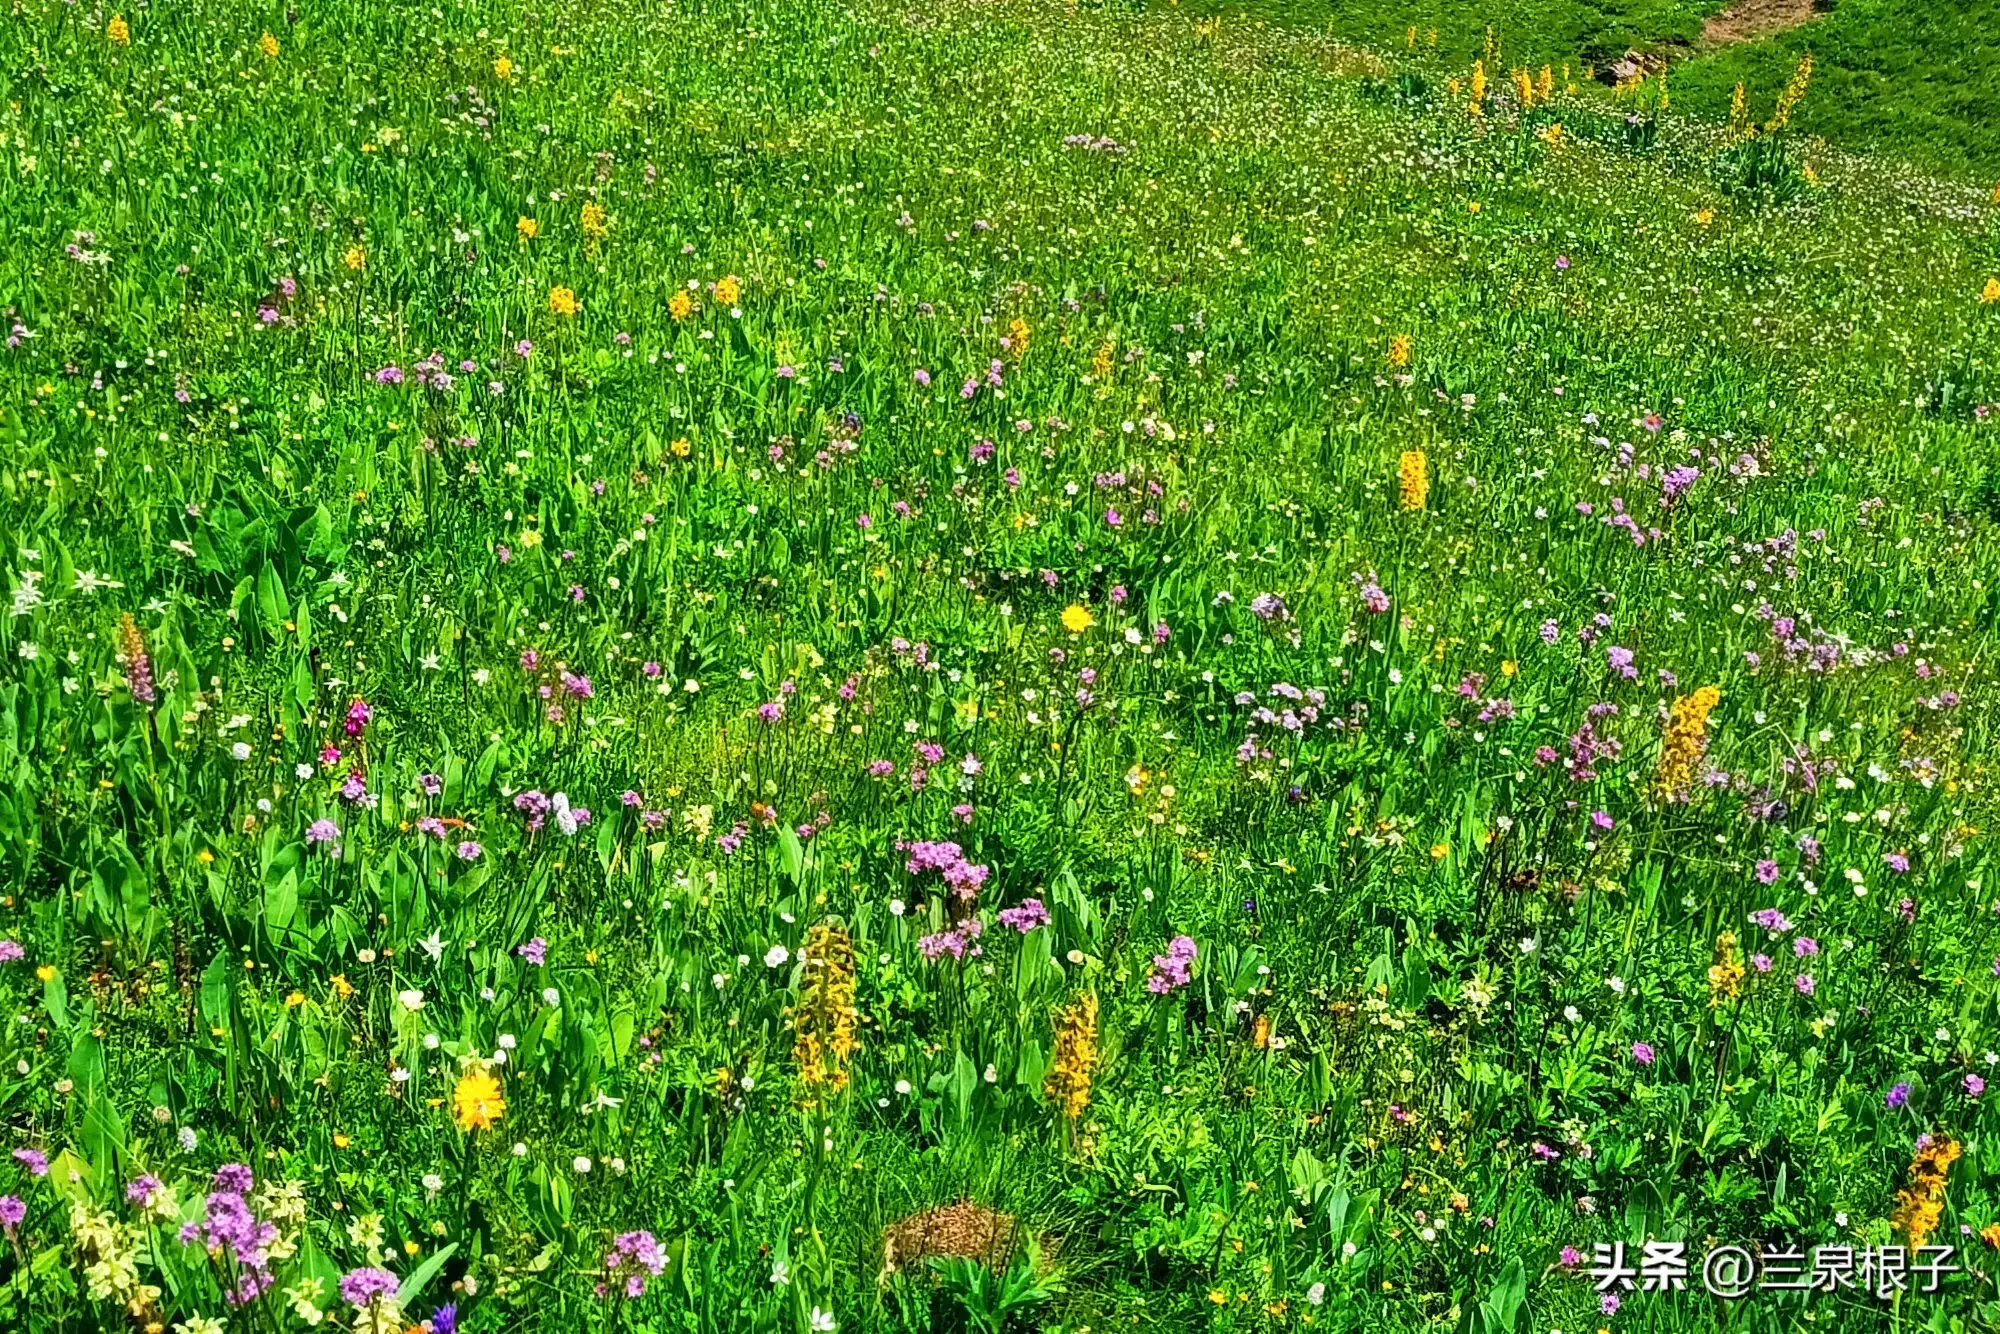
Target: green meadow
column 996, row 666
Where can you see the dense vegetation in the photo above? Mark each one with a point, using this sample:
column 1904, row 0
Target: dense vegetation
column 743, row 666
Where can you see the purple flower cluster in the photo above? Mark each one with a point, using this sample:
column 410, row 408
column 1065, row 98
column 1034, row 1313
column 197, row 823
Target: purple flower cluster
column 231, row 1227
column 957, row 942
column 948, row 860
column 361, row 1287
column 1027, row 917
column 1172, row 970
column 631, row 1253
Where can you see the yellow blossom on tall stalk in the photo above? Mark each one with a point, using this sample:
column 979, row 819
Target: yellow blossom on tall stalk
column 563, row 302
column 1545, row 87
column 118, row 30
column 823, row 1022
column 355, row 258
column 269, row 46
column 503, row 68
column 1739, row 111
column 1991, row 292
column 729, row 290
column 1665, row 99
column 595, row 223
column 1100, row 365
column 1413, row 479
column 527, row 228
column 680, row 305
column 1725, row 975
column 1399, row 351
column 1478, row 87
column 1685, row 742
column 1920, row 1204
column 476, row 1101
column 1018, row 334
column 1067, row 1083
column 1795, row 90
column 1524, row 88
column 1410, row 40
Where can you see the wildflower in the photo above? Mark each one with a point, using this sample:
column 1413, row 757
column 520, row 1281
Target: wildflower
column 355, row 258
column 630, row 1253
column 1725, row 975
column 503, row 68
column 1897, row 1096
column 1795, row 90
column 1077, row 1055
column 371, row 1291
column 476, row 1101
column 324, row 832
column 823, row 1022
column 1686, row 741
column 563, row 302
column 138, row 664
column 1974, row 1086
column 118, row 30
column 1920, row 1204
column 1642, row 1052
column 1172, row 970
column 1413, row 479
column 268, row 45
column 1076, row 619
column 729, row 290
column 1991, row 292
column 594, row 222
column 527, row 228
column 680, row 305
column 1025, row 918
column 1399, row 351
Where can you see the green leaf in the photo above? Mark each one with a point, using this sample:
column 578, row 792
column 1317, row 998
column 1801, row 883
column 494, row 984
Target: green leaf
column 414, row 1285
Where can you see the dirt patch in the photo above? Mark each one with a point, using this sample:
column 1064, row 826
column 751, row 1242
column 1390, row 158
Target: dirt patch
column 1748, row 20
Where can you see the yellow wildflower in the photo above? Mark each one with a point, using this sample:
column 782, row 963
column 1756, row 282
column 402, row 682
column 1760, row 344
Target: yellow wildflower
column 824, row 1020
column 1686, row 741
column 680, row 305
column 269, row 46
column 729, row 290
column 1991, row 292
column 1076, row 619
column 356, row 258
column 596, row 225
column 1399, row 351
column 563, row 302
column 1413, row 479
column 476, row 1102
column 1067, row 1083
column 527, row 228
column 503, row 68
column 119, row 31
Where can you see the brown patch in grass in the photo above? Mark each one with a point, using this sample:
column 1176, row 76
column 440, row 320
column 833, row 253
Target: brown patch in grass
column 966, row 1230
column 1748, row 20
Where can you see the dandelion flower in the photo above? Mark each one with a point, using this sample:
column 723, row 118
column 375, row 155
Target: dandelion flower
column 476, row 1103
column 1076, row 619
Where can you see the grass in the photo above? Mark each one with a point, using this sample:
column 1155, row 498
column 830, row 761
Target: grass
column 734, row 666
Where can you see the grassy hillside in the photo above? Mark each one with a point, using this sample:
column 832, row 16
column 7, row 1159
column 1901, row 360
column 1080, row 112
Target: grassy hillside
column 1917, row 82
column 736, row 666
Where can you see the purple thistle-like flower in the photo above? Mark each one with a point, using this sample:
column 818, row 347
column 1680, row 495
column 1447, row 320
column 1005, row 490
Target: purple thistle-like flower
column 12, row 1210
column 1897, row 1096
column 11, row 951
column 444, row 1320
column 34, row 1160
column 1031, row 914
